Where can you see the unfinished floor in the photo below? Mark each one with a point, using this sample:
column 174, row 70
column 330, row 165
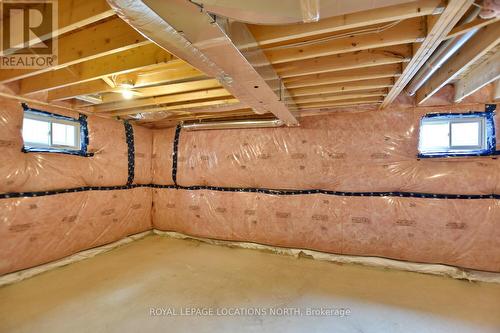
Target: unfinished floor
column 114, row 292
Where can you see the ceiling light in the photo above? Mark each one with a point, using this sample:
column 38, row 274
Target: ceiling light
column 127, row 94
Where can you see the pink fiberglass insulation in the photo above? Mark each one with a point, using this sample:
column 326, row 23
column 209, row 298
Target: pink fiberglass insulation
column 365, row 151
column 35, row 230
column 41, row 229
column 457, row 232
column 24, row 172
column 162, row 156
column 371, row 151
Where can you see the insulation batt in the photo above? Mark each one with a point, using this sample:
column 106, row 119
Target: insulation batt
column 36, row 230
column 462, row 233
column 367, row 151
column 364, row 152
column 360, row 152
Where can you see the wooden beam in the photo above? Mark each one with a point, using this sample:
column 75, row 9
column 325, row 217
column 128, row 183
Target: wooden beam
column 339, row 62
column 170, row 72
column 496, row 91
column 339, row 97
column 443, row 25
column 342, row 87
column 187, row 107
column 121, row 62
column 478, row 77
column 169, row 99
column 83, row 88
column 102, row 39
column 167, row 89
column 466, row 27
column 377, row 72
column 75, row 14
column 356, row 101
column 274, row 34
column 408, row 31
column 479, row 45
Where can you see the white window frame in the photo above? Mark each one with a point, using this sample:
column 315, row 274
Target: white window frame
column 482, row 135
column 52, row 120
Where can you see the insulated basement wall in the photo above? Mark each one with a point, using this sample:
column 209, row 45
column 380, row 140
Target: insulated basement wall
column 232, row 185
column 39, row 222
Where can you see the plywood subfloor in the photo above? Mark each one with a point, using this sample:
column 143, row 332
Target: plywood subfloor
column 115, row 292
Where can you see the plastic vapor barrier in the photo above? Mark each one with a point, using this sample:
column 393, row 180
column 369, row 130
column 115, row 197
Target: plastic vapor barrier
column 36, row 224
column 347, row 183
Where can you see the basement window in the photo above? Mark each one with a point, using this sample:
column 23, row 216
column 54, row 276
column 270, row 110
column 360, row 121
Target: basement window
column 444, row 135
column 51, row 133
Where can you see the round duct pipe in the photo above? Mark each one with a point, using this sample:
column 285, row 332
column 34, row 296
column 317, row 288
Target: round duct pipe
column 236, row 124
column 441, row 55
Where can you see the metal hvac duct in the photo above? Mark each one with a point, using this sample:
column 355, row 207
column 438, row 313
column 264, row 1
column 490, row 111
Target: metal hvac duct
column 236, row 124
column 191, row 34
column 441, row 55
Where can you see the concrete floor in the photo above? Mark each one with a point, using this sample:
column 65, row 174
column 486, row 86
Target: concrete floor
column 116, row 292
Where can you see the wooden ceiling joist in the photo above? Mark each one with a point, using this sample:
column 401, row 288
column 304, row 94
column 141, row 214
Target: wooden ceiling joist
column 167, row 89
column 481, row 75
column 339, row 62
column 99, row 40
column 275, row 34
column 454, row 10
column 474, row 24
column 342, row 87
column 339, row 97
column 223, row 103
column 74, row 14
column 351, row 102
column 376, row 72
column 479, row 45
column 80, row 89
column 408, row 31
column 122, row 62
column 169, row 99
column 173, row 71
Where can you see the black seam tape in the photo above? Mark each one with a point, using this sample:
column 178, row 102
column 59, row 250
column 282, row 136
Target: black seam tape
column 175, row 155
column 129, row 136
column 254, row 190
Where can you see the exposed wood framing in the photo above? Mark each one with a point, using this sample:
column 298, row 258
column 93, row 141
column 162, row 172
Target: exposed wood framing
column 363, row 58
column 408, row 31
column 440, row 29
column 339, row 97
column 343, row 87
column 169, row 99
column 356, row 101
column 479, row 45
column 75, row 14
column 224, row 104
column 466, row 27
column 121, row 62
column 166, row 89
column 338, row 62
column 275, row 34
column 478, row 77
column 172, row 71
column 496, row 91
column 102, row 39
column 377, row 72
